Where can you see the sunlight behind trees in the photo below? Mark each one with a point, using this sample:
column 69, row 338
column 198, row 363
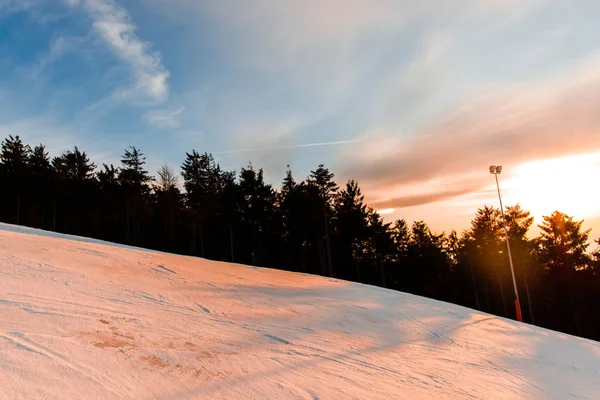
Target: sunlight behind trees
column 544, row 186
column 316, row 226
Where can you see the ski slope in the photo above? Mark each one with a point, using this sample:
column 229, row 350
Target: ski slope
column 83, row 319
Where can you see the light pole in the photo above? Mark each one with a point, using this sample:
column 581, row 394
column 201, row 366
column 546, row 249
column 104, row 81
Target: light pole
column 495, row 170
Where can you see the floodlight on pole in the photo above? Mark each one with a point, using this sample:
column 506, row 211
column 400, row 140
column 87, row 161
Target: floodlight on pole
column 495, row 170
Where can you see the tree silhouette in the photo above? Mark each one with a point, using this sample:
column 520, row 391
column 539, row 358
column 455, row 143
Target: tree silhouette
column 134, row 181
column 168, row 202
column 74, row 188
column 311, row 226
column 562, row 251
column 13, row 157
column 322, row 180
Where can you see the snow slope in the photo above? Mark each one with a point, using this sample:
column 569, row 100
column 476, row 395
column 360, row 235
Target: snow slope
column 82, row 319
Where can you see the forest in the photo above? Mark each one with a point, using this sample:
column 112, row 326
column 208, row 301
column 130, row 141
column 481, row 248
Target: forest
column 311, row 225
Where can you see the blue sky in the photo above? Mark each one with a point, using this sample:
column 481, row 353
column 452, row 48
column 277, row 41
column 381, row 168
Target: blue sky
column 414, row 99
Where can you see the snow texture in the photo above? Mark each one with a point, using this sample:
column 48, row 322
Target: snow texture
column 85, row 319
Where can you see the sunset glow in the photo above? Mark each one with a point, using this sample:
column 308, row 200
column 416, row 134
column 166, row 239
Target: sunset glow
column 565, row 184
column 386, row 211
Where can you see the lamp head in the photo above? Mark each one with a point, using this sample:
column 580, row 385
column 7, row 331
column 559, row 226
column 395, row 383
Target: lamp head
column 495, row 169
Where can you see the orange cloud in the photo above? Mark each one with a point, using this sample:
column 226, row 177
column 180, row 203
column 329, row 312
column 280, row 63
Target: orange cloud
column 507, row 125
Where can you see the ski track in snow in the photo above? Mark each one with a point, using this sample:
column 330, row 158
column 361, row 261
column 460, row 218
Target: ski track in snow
column 81, row 318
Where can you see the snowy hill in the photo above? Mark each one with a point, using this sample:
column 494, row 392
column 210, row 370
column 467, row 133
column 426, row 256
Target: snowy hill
column 82, row 319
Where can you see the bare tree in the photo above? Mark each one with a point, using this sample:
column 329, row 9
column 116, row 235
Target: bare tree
column 167, row 178
column 166, row 188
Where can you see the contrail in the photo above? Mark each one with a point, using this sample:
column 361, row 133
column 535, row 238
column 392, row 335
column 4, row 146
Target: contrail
column 295, row 146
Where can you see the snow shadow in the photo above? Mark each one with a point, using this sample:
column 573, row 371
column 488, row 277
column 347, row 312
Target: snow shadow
column 324, row 319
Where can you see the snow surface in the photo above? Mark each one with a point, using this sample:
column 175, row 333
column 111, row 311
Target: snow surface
column 84, row 319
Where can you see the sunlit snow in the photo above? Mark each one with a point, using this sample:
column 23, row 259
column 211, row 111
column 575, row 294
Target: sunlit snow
column 82, row 319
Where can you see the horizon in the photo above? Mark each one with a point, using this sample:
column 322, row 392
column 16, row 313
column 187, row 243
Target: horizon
column 414, row 101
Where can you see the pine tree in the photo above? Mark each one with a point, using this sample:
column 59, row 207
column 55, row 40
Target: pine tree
column 110, row 195
column 426, row 260
column 41, row 179
column 230, row 200
column 382, row 246
column 258, row 210
column 73, row 188
column 74, row 165
column 289, row 200
column 13, row 158
column 351, row 232
column 519, row 222
column 134, row 182
column 202, row 183
column 132, row 174
column 562, row 251
column 487, row 252
column 310, row 226
column 562, row 244
column 322, row 180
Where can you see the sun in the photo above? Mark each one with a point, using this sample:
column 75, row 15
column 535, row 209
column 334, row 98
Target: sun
column 567, row 184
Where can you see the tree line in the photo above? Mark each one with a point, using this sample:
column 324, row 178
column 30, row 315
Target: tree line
column 312, row 226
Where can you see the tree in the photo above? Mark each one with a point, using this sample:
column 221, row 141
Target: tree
column 202, row 183
column 134, row 181
column 322, row 180
column 132, row 174
column 74, row 189
column 290, row 204
column 351, row 230
column 518, row 223
column 310, row 226
column 287, row 186
column 40, row 169
column 167, row 198
column 74, row 165
column 13, row 158
column 167, row 178
column 110, row 194
column 230, row 200
column 562, row 244
column 427, row 260
column 381, row 246
column 562, row 251
column 401, row 235
column 258, row 210
column 486, row 245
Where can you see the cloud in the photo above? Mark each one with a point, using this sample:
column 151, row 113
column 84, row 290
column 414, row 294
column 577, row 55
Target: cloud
column 420, row 199
column 17, row 5
column 293, row 146
column 57, row 49
column 311, row 60
column 280, row 35
column 164, row 118
column 113, row 25
column 499, row 125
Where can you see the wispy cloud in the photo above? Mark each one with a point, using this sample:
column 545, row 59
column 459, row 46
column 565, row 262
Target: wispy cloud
column 58, row 48
column 164, row 118
column 311, row 60
column 508, row 125
column 293, row 146
column 113, row 25
column 17, row 5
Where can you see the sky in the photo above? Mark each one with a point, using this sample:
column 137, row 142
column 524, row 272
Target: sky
column 413, row 99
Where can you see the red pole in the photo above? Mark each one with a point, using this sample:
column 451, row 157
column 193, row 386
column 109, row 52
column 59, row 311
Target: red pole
column 519, row 316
